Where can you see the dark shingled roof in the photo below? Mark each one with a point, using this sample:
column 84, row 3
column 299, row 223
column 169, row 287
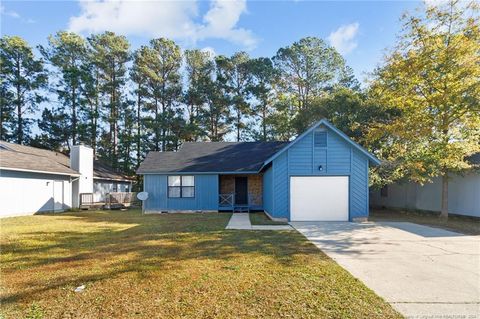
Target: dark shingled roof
column 103, row 171
column 22, row 157
column 209, row 157
column 14, row 160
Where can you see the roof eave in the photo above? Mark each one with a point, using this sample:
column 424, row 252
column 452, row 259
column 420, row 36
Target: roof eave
column 197, row 173
column 38, row 171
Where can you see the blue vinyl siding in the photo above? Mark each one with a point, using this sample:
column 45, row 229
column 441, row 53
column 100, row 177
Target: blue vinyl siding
column 281, row 187
column 206, row 194
column 338, row 155
column 338, row 158
column 300, row 156
column 359, row 186
column 268, row 190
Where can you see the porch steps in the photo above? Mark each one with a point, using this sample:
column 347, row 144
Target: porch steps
column 241, row 209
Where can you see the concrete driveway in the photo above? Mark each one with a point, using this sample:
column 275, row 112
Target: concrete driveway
column 423, row 272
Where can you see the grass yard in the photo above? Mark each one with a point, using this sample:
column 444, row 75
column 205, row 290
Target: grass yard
column 461, row 224
column 170, row 266
column 260, row 218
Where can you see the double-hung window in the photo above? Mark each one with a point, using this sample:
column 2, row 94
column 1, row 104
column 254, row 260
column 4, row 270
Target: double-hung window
column 181, row 186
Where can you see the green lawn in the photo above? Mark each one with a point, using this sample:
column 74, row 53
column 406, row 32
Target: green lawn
column 462, row 224
column 260, row 218
column 170, row 266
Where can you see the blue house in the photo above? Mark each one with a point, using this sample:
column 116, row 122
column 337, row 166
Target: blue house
column 322, row 175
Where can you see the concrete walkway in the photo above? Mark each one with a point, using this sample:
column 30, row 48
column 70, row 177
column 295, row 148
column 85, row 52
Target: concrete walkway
column 423, row 272
column 241, row 221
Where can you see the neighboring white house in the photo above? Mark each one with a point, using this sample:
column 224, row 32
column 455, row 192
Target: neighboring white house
column 463, row 194
column 36, row 180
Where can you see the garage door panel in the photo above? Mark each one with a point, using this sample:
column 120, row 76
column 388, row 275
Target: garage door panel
column 319, row 198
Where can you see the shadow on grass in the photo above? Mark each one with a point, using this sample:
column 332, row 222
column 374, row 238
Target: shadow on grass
column 467, row 225
column 94, row 246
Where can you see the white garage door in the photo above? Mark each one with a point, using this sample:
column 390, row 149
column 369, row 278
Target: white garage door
column 319, row 198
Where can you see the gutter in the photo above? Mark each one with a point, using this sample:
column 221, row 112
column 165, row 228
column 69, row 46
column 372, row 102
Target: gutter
column 38, row 171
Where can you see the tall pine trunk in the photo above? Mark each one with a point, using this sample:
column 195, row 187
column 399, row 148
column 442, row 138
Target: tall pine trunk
column 19, row 108
column 239, row 119
column 264, row 122
column 74, row 117
column 113, row 121
column 139, row 123
column 164, row 124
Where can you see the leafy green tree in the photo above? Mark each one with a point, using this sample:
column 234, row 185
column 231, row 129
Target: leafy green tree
column 234, row 75
column 66, row 52
column 110, row 53
column 22, row 78
column 308, row 69
column 352, row 112
column 432, row 78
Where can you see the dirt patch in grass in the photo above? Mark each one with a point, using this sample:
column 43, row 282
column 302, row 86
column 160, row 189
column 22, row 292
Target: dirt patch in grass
column 170, row 266
column 461, row 224
column 260, row 218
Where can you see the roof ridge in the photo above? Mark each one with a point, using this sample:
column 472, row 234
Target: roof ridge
column 36, row 149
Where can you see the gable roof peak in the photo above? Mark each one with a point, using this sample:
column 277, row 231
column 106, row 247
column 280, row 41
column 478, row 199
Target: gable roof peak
column 330, row 126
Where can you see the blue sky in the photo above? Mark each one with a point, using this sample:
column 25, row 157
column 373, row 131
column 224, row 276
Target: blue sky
column 361, row 31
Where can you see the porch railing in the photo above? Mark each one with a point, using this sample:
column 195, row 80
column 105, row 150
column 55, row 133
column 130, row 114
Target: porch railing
column 228, row 200
column 86, row 200
column 112, row 200
column 121, row 199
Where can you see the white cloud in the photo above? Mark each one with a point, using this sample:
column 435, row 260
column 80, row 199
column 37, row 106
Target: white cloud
column 10, row 13
column 172, row 19
column 220, row 22
column 14, row 14
column 343, row 39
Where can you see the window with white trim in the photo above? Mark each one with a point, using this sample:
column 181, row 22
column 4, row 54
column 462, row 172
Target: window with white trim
column 181, row 186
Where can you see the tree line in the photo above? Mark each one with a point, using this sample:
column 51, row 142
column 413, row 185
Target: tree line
column 123, row 103
column 419, row 112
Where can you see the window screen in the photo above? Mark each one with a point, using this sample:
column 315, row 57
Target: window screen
column 321, row 139
column 181, row 186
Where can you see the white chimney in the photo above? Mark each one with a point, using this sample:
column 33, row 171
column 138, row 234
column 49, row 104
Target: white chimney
column 81, row 160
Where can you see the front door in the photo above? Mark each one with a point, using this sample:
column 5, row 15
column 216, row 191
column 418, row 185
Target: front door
column 241, row 191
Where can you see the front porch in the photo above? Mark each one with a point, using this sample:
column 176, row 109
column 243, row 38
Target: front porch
column 240, row 193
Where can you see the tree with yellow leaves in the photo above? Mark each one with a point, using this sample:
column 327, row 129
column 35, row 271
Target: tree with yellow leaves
column 432, row 78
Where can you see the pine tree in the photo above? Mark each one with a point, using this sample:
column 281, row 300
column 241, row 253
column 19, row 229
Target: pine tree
column 234, row 75
column 200, row 68
column 308, row 68
column 110, row 54
column 160, row 64
column 264, row 80
column 66, row 52
column 22, row 77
